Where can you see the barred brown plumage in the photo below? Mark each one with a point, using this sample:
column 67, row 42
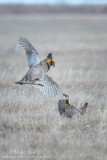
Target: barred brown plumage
column 36, row 74
column 68, row 110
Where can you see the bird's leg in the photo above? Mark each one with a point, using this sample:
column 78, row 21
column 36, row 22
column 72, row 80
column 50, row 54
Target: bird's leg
column 34, row 82
column 40, row 85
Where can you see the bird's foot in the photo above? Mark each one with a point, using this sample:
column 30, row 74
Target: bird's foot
column 34, row 83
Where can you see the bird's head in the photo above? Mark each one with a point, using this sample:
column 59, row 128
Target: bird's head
column 49, row 60
column 65, row 98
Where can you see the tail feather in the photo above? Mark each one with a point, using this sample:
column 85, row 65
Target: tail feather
column 23, row 81
column 83, row 108
column 19, row 82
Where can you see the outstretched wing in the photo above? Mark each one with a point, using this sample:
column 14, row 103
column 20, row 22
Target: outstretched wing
column 47, row 86
column 31, row 53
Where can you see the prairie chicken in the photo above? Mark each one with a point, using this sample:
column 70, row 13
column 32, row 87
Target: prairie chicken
column 68, row 110
column 36, row 74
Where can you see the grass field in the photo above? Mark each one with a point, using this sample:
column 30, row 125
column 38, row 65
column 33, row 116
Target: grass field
column 30, row 124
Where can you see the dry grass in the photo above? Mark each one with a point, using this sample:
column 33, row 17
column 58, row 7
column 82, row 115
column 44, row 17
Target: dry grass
column 30, row 121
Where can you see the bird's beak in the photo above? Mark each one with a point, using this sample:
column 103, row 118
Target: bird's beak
column 53, row 63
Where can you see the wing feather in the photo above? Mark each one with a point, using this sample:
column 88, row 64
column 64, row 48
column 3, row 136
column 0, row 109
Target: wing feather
column 31, row 53
column 49, row 88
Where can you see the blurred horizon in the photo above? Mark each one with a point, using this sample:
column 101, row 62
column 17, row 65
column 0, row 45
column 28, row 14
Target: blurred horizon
column 55, row 2
column 53, row 6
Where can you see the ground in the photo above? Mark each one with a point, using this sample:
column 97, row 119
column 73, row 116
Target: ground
column 30, row 124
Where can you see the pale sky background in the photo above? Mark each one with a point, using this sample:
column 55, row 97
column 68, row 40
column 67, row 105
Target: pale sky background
column 75, row 2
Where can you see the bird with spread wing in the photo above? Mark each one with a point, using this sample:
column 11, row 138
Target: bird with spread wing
column 65, row 109
column 36, row 74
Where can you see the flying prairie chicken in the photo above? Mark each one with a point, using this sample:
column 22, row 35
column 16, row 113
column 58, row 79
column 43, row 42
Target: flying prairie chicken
column 68, row 110
column 36, row 74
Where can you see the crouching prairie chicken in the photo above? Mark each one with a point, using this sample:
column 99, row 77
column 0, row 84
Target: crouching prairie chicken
column 36, row 74
column 68, row 110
